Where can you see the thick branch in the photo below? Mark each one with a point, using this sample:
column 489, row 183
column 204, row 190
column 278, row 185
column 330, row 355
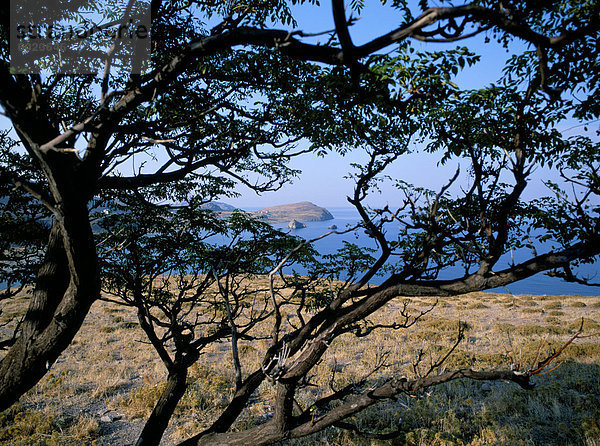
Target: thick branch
column 486, row 16
column 268, row 433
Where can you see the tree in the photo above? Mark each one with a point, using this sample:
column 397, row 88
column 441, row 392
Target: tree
column 190, row 293
column 231, row 105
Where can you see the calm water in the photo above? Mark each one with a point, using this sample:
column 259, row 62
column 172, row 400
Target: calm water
column 343, row 216
column 346, row 216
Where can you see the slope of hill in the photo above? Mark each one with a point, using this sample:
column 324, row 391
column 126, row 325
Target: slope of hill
column 303, row 211
column 218, row 207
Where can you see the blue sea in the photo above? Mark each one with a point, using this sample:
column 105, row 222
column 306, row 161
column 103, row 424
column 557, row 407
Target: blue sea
column 347, row 216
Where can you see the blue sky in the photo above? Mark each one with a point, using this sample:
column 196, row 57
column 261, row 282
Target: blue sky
column 322, row 180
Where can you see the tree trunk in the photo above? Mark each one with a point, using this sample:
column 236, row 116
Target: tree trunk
column 234, row 409
column 163, row 410
column 62, row 298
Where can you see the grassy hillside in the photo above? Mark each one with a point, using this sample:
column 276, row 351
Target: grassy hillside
column 104, row 385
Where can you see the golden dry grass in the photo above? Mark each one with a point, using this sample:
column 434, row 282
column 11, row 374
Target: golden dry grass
column 110, row 369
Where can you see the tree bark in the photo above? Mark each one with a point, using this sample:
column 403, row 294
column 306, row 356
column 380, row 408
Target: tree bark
column 272, row 431
column 67, row 285
column 233, row 410
column 163, row 410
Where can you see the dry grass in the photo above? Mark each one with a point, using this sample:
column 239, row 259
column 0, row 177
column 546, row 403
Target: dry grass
column 110, row 369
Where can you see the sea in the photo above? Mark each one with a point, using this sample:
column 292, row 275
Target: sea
column 539, row 284
column 345, row 217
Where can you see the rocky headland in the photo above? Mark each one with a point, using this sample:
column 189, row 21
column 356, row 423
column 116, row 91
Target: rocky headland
column 218, row 207
column 303, row 211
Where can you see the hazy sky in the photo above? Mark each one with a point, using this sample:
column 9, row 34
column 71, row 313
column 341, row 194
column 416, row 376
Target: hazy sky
column 322, row 179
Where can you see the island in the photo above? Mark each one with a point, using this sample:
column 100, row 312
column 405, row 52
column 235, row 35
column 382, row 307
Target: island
column 295, row 224
column 299, row 212
column 218, row 206
column 303, row 211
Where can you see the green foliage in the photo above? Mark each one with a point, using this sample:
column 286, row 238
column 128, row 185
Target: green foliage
column 348, row 262
column 24, row 221
column 231, row 100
